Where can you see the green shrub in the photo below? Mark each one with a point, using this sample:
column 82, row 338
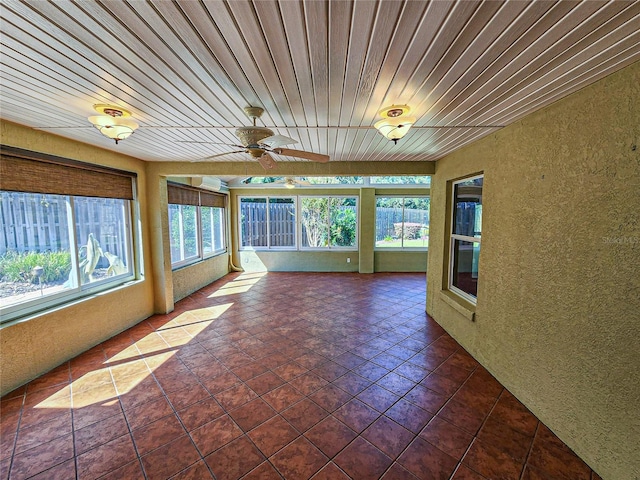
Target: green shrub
column 411, row 230
column 18, row 267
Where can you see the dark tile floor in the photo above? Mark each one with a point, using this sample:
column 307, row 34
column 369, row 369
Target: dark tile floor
column 280, row 375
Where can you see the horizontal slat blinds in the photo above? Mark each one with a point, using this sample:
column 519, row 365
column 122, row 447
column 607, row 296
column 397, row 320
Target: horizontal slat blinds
column 25, row 171
column 211, row 200
column 184, row 195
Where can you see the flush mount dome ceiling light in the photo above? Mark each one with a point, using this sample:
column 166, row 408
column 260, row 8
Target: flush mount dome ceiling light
column 395, row 123
column 114, row 122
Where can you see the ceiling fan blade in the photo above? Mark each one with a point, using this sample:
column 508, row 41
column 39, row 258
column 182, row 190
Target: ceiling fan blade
column 266, row 161
column 218, row 155
column 314, row 157
column 275, row 141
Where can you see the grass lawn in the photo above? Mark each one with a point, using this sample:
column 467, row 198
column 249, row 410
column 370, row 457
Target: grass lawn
column 397, row 243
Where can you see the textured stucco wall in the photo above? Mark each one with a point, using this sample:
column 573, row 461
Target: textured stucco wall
column 400, row 261
column 193, row 277
column 32, row 347
column 558, row 312
column 296, row 261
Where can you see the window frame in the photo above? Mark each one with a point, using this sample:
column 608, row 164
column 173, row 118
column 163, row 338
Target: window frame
column 329, row 247
column 201, row 256
column 215, row 251
column 465, row 238
column 79, row 291
column 298, row 224
column 268, row 247
column 193, row 258
column 402, row 248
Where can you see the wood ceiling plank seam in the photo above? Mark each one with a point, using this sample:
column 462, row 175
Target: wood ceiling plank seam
column 218, row 82
column 236, row 43
column 272, row 25
column 341, row 139
column 371, row 137
column 411, row 16
column 295, row 27
column 452, row 139
column 37, row 87
column 340, row 18
column 48, row 88
column 163, row 47
column 562, row 63
column 360, row 30
column 385, row 25
column 559, row 88
column 559, row 67
column 516, row 56
column 454, row 56
column 413, row 59
column 415, row 140
column 358, row 139
column 41, row 76
column 263, row 60
column 31, row 106
column 317, row 30
column 539, row 52
column 448, row 31
column 557, row 94
column 496, row 52
column 74, row 54
column 361, row 99
column 39, row 56
column 482, row 56
column 106, row 41
column 214, row 42
column 215, row 90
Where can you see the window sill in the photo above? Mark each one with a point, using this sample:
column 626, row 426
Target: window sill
column 459, row 304
column 180, row 266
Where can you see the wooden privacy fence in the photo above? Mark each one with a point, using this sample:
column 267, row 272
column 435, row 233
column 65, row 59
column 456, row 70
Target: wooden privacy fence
column 33, row 222
column 283, row 225
column 387, row 217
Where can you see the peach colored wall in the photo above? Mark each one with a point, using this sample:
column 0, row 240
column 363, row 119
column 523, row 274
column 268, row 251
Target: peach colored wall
column 31, row 347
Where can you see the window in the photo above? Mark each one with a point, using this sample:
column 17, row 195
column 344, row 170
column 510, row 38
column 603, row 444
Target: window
column 402, row 222
column 268, row 222
column 196, row 224
column 466, row 229
column 183, row 233
column 325, row 222
column 212, row 230
column 329, row 222
column 61, row 240
column 402, row 180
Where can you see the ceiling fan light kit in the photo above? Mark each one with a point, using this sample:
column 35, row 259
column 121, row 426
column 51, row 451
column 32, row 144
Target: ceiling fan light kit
column 395, row 123
column 114, row 122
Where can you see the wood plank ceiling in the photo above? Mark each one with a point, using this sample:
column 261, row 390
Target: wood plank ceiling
column 321, row 69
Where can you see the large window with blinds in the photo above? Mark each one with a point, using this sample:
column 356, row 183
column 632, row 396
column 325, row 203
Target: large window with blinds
column 66, row 231
column 196, row 224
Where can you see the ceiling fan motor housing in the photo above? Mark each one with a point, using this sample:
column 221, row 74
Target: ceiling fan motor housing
column 250, row 137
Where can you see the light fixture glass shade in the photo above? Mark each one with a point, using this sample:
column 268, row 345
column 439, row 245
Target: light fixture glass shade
column 113, row 127
column 289, row 183
column 395, row 128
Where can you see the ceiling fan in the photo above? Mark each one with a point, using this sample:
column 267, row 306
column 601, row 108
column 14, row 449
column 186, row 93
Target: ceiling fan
column 261, row 144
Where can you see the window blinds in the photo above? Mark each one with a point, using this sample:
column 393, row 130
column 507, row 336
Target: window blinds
column 184, row 195
column 33, row 172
